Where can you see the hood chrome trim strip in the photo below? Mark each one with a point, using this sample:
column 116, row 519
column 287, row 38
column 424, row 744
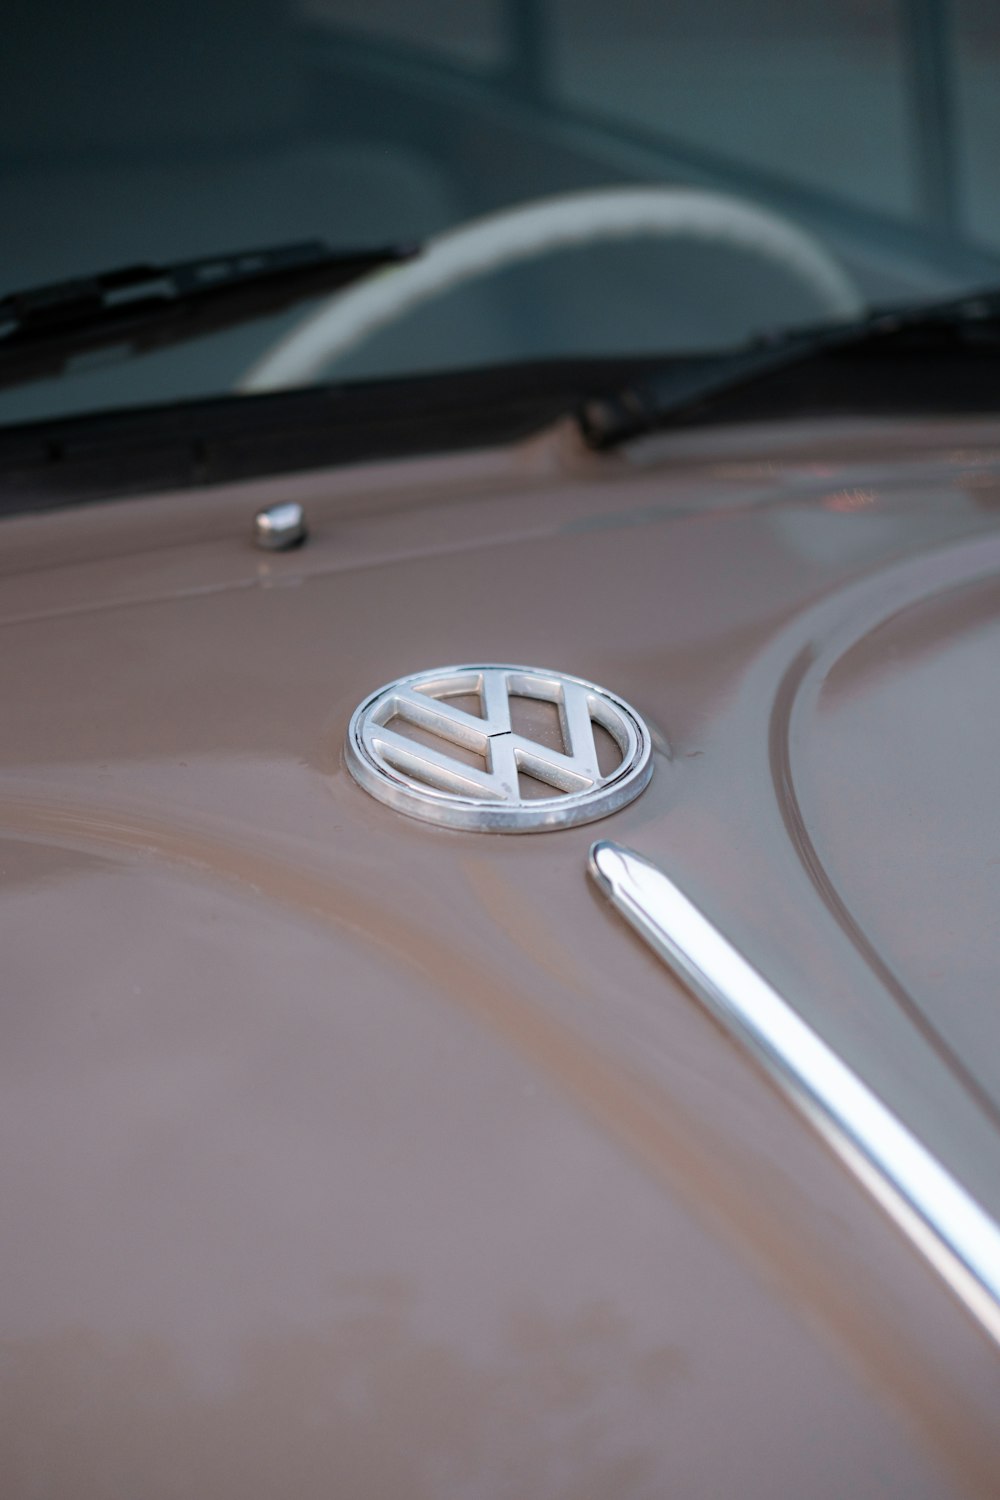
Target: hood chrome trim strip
column 940, row 1218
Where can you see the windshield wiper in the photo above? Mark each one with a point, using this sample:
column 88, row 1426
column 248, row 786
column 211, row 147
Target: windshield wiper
column 684, row 388
column 143, row 307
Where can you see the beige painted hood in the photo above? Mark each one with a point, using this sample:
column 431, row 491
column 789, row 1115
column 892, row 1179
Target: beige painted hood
column 347, row 1155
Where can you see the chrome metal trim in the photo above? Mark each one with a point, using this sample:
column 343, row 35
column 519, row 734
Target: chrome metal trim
column 941, row 1219
column 279, row 527
column 429, row 783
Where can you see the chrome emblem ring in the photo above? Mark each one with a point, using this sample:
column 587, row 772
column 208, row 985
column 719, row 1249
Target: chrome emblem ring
column 430, row 758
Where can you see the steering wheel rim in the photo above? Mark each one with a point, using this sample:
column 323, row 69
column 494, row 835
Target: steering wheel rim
column 538, row 228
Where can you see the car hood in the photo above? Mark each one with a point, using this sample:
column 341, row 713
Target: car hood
column 345, row 1151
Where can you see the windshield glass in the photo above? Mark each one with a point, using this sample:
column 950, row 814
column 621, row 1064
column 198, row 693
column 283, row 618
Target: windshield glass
column 861, row 130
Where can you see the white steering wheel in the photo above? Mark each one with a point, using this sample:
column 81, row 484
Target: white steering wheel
column 535, row 229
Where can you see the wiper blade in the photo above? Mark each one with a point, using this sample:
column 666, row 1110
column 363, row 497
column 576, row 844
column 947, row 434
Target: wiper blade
column 145, row 307
column 683, row 388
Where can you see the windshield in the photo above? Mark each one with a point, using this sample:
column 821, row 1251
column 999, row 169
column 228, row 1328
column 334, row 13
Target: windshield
column 860, row 130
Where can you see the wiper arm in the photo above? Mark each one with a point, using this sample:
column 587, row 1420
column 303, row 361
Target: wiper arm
column 683, row 387
column 148, row 306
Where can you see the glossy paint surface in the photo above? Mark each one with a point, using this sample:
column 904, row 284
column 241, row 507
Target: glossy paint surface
column 344, row 1154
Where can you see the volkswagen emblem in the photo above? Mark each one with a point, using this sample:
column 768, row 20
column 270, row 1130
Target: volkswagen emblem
column 522, row 751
